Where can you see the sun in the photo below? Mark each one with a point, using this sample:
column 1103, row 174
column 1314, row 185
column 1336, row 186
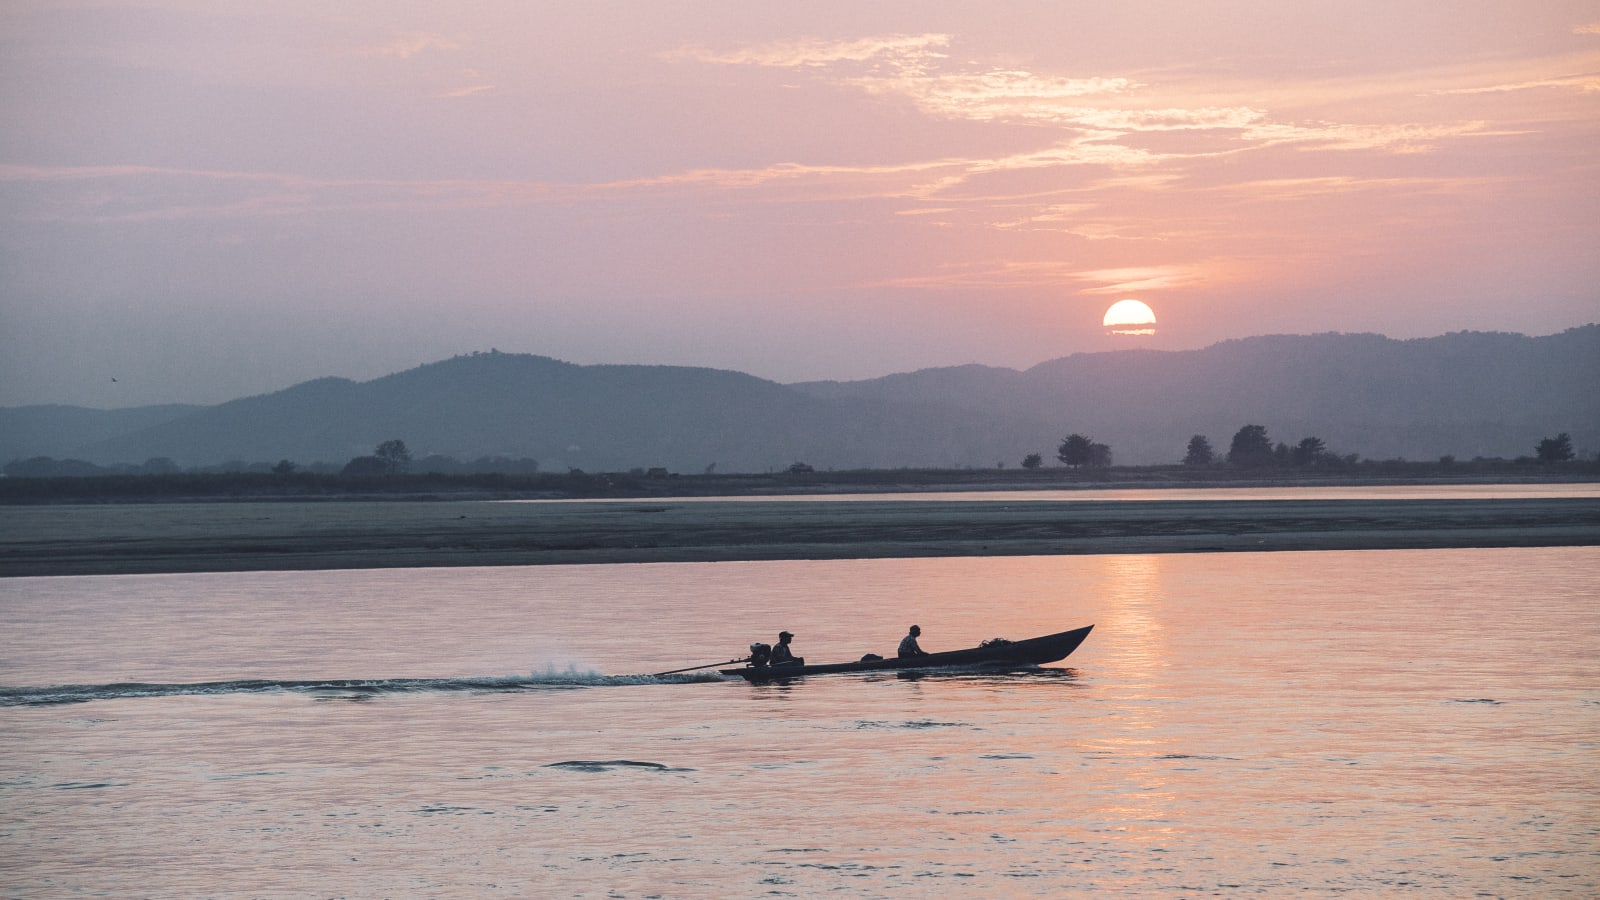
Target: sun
column 1130, row 317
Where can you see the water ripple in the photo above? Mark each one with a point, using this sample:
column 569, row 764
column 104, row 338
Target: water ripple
column 334, row 688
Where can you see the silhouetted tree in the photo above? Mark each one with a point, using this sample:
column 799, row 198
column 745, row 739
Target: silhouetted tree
column 1308, row 452
column 394, row 455
column 1199, row 452
column 284, row 467
column 1556, row 449
column 1250, row 447
column 1075, row 450
column 1032, row 461
column 1100, row 455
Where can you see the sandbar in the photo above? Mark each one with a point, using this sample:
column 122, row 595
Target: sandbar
column 133, row 538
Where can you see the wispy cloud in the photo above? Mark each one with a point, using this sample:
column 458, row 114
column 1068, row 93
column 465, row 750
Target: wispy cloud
column 1104, row 231
column 1140, row 279
column 1587, row 83
column 989, row 274
column 911, row 67
column 1005, row 274
column 124, row 194
column 902, row 50
column 1051, row 217
column 998, row 96
column 469, row 91
column 407, row 44
column 1106, row 113
column 1396, row 138
column 1282, row 190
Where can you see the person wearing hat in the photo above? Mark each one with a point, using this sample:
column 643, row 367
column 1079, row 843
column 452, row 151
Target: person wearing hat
column 782, row 655
column 908, row 644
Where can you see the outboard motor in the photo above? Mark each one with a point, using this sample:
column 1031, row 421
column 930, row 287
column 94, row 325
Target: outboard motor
column 760, row 655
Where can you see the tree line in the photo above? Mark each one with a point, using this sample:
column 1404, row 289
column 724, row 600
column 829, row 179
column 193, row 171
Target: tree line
column 390, row 457
column 1251, row 447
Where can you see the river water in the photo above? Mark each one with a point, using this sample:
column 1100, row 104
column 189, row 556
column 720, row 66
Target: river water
column 1395, row 723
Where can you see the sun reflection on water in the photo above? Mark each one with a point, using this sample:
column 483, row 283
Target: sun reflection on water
column 1133, row 595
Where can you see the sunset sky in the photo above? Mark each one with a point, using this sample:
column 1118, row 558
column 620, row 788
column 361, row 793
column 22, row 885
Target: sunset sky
column 205, row 200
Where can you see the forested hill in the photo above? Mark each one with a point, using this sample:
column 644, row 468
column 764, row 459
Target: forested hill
column 1465, row 394
column 598, row 418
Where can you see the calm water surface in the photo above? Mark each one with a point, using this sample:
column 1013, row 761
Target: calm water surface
column 1381, row 723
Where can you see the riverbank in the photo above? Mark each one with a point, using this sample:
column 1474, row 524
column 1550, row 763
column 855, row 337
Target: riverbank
column 130, row 538
column 659, row 484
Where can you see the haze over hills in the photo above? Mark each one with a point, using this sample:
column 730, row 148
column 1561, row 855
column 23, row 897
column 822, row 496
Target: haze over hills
column 1466, row 394
column 599, row 418
column 57, row 430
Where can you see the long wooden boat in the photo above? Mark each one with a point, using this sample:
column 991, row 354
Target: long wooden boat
column 1008, row 655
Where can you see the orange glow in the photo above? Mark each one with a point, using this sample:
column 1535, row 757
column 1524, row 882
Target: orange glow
column 777, row 192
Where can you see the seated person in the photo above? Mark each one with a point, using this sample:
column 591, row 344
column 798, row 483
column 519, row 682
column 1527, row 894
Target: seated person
column 783, row 654
column 908, row 644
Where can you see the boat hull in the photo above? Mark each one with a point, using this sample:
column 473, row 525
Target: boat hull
column 1017, row 654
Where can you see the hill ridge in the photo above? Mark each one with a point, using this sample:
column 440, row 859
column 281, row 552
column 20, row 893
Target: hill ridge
column 1463, row 393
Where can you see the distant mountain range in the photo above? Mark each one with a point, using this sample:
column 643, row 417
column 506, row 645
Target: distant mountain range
column 1466, row 394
